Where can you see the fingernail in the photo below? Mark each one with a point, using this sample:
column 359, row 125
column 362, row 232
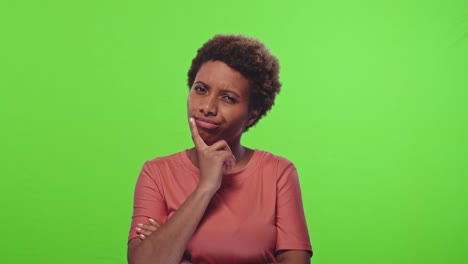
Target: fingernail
column 191, row 120
column 142, row 236
column 152, row 220
column 140, row 225
column 138, row 229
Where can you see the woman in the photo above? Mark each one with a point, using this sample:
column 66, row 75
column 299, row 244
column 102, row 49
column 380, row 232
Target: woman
column 221, row 202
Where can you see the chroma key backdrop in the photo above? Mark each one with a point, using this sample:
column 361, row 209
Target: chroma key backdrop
column 373, row 112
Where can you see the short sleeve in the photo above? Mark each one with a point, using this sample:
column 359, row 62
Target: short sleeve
column 292, row 233
column 148, row 201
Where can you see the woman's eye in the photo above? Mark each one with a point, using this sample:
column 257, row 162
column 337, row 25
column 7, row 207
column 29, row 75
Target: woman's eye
column 199, row 89
column 229, row 99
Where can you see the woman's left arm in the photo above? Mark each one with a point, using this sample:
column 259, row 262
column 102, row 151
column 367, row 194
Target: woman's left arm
column 293, row 256
column 292, row 241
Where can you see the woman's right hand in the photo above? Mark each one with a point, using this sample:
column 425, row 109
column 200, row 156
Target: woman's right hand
column 214, row 160
column 144, row 230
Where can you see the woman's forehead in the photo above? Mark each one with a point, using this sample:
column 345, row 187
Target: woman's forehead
column 219, row 75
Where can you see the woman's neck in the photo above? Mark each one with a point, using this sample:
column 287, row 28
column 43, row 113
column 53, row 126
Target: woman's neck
column 241, row 153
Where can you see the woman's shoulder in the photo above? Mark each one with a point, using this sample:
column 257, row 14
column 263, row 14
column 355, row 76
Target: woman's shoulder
column 174, row 159
column 266, row 157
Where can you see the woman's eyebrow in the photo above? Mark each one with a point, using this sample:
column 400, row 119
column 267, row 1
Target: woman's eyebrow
column 222, row 90
column 200, row 82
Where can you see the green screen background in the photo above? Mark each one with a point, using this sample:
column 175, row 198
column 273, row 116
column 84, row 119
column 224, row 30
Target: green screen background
column 373, row 112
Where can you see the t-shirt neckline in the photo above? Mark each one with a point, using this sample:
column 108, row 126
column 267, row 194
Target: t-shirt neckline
column 230, row 177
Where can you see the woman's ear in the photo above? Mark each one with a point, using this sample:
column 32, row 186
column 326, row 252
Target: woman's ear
column 253, row 115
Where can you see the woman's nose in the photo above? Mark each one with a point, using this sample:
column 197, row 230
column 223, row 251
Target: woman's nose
column 209, row 107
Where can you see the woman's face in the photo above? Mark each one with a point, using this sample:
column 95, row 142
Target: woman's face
column 219, row 103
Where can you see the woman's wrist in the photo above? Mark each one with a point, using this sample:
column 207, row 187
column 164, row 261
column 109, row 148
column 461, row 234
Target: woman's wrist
column 205, row 191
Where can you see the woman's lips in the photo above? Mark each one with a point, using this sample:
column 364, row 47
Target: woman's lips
column 206, row 124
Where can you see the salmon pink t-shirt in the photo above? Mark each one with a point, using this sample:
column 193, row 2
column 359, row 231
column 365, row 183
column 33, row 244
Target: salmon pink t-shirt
column 256, row 212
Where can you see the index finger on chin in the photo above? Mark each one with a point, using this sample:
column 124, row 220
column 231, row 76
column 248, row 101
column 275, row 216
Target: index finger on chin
column 197, row 140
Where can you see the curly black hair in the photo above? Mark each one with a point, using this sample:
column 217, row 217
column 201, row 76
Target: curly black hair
column 252, row 59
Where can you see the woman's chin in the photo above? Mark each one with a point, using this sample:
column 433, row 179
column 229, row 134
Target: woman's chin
column 208, row 138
